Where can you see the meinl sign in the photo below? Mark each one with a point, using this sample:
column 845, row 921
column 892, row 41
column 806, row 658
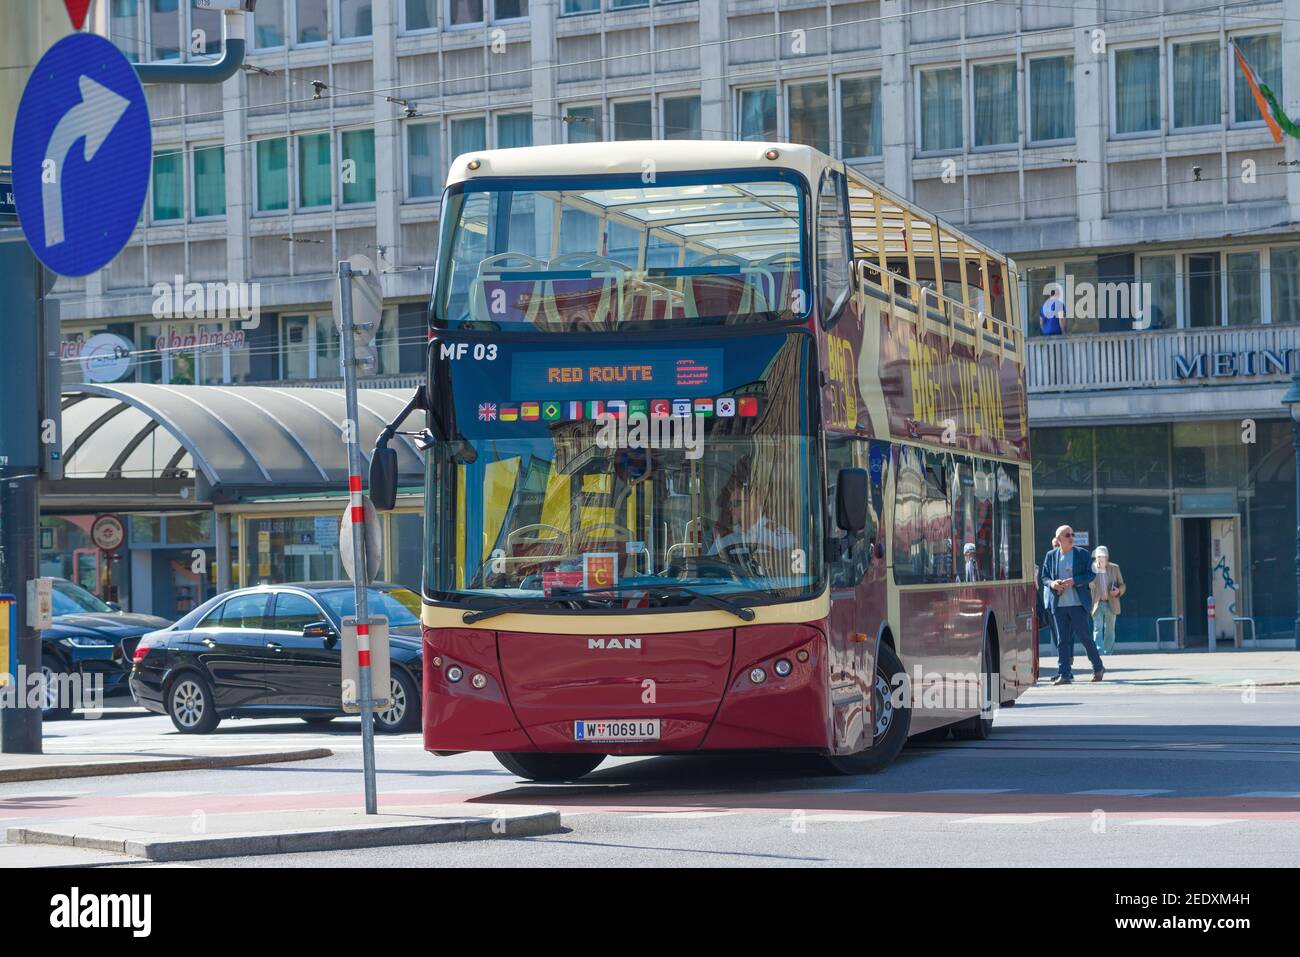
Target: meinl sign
column 1221, row 365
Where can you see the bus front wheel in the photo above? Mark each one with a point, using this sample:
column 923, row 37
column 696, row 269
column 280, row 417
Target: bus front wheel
column 891, row 714
column 549, row 767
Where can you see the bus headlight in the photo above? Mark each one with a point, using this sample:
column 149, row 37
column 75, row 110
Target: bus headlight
column 782, row 668
column 758, row 676
column 454, row 674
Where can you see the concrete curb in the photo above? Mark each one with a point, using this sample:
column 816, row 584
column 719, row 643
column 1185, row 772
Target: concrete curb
column 160, row 847
column 54, row 772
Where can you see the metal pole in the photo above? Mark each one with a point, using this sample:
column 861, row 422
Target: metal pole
column 360, row 577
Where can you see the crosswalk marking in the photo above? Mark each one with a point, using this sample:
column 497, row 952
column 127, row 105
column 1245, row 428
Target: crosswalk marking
column 1269, row 794
column 1183, row 821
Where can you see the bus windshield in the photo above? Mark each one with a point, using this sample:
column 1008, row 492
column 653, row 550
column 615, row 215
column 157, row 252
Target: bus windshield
column 604, row 253
column 651, row 475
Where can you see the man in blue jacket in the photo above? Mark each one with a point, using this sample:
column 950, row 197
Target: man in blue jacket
column 1067, row 570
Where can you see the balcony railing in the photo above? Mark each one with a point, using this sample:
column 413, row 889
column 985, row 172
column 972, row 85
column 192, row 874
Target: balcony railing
column 1131, row 360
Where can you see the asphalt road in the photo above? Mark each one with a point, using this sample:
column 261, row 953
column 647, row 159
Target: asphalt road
column 1150, row 768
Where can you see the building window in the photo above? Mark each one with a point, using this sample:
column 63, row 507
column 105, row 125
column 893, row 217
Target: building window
column 810, row 114
column 464, row 13
column 681, row 117
column 1244, row 290
column 1137, row 90
column 941, row 116
column 1051, row 99
column 758, row 114
column 468, row 134
column 164, row 29
column 358, row 169
column 422, row 160
column 860, row 117
column 168, row 185
column 1197, row 101
column 1159, row 278
column 624, row 4
column 1284, row 273
column 1203, row 290
column 632, row 120
column 994, row 104
column 209, row 181
column 272, row 175
column 582, row 124
column 314, row 170
column 354, row 19
column 1264, row 53
column 268, row 25
column 514, row 130
column 509, row 9
column 124, row 27
column 311, row 21
column 417, row 15
column 580, row 6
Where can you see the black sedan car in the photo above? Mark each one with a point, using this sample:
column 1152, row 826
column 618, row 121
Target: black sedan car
column 88, row 637
column 273, row 651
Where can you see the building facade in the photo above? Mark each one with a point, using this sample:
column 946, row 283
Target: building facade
column 1111, row 146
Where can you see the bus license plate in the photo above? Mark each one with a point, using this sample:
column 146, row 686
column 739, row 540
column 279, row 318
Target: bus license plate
column 629, row 729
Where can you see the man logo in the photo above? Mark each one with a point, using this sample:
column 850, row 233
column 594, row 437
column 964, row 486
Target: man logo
column 612, row 643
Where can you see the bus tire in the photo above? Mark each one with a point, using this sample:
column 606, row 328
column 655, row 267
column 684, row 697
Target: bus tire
column 892, row 720
column 548, row 767
column 980, row 727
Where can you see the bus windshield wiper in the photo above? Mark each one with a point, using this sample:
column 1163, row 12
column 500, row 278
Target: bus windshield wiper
column 722, row 604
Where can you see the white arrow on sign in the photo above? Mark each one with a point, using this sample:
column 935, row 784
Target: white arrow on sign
column 93, row 118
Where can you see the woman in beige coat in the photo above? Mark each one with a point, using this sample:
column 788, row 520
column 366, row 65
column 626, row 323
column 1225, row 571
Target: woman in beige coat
column 1106, row 589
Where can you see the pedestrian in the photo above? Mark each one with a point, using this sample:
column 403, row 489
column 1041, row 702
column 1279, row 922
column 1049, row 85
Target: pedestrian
column 1106, row 589
column 1045, row 617
column 1068, row 571
column 971, row 572
column 1051, row 315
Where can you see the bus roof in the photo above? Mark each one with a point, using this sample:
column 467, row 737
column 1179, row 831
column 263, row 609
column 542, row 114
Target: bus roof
column 881, row 219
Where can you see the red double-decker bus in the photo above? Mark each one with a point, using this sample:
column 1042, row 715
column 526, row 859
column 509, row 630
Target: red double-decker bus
column 728, row 450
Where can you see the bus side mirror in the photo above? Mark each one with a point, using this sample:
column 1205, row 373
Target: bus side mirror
column 383, row 478
column 851, row 490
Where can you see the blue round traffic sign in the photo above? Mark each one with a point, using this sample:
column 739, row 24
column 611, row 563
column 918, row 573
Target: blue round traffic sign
column 82, row 154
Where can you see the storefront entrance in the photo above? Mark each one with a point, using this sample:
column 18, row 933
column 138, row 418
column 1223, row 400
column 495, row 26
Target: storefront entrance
column 1209, row 555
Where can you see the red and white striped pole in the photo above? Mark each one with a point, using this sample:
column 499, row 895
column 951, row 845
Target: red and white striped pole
column 360, row 569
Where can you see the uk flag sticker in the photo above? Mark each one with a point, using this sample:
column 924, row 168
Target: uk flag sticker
column 487, row 411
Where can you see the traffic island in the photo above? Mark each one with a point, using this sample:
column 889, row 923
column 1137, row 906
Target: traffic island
column 56, row 767
column 196, row 836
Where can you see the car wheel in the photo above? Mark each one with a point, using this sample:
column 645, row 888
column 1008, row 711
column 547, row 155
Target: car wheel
column 549, row 767
column 403, row 711
column 190, row 704
column 53, row 677
column 892, row 719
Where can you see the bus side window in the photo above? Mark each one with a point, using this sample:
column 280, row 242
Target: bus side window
column 849, row 555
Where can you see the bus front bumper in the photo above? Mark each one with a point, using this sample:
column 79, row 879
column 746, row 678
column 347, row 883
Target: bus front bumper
column 759, row 686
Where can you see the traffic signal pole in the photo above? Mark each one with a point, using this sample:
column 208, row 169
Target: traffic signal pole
column 357, row 515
